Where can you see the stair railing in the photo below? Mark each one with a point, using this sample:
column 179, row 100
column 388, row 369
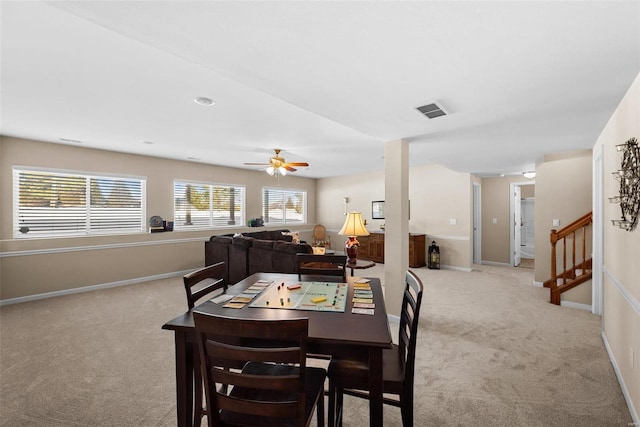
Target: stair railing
column 568, row 274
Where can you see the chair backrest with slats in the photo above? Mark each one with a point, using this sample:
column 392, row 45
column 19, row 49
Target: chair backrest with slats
column 409, row 316
column 224, row 342
column 202, row 282
column 322, row 265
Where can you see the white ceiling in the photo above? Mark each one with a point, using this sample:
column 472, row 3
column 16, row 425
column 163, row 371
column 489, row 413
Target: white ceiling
column 328, row 82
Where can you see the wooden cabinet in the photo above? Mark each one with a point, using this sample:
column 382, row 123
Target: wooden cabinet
column 372, row 248
column 417, row 250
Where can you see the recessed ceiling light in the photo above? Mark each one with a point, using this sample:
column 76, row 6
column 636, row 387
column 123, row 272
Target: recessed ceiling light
column 193, row 158
column 147, row 142
column 530, row 174
column 202, row 100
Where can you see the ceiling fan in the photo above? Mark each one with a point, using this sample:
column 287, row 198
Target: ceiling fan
column 278, row 165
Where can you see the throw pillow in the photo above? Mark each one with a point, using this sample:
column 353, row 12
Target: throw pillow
column 295, row 236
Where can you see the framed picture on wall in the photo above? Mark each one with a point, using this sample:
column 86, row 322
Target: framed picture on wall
column 377, row 209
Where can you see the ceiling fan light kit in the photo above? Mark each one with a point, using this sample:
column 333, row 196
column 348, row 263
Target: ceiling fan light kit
column 273, row 171
column 278, row 165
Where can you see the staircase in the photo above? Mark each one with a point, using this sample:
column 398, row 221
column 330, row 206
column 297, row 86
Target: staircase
column 573, row 238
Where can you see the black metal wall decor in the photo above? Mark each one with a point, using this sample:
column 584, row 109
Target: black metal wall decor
column 629, row 178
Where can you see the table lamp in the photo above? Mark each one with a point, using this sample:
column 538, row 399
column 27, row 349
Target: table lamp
column 353, row 227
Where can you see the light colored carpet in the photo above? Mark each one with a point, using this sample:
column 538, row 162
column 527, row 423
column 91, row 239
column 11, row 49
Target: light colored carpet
column 527, row 263
column 491, row 352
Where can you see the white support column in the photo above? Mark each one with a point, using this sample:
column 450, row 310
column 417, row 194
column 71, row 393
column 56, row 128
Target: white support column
column 396, row 212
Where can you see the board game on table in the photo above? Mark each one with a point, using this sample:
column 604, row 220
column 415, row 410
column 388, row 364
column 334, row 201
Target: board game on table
column 296, row 295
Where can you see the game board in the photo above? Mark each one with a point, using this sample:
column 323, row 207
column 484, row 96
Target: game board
column 312, row 296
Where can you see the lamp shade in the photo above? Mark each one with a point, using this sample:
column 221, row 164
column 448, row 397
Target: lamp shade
column 353, row 225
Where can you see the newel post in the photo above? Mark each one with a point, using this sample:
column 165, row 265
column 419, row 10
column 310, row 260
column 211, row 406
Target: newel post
column 554, row 239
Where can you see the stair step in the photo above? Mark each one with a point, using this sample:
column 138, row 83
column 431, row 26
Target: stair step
column 579, row 273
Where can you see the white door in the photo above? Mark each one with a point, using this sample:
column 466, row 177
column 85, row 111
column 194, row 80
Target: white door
column 517, row 225
column 477, row 220
column 527, row 245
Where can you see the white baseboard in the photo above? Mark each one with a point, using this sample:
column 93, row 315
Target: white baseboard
column 452, row 267
column 538, row 284
column 92, row 288
column 571, row 304
column 623, row 386
column 442, row 267
column 497, row 264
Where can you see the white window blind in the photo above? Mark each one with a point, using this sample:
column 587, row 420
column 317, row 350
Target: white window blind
column 52, row 203
column 202, row 205
column 284, row 206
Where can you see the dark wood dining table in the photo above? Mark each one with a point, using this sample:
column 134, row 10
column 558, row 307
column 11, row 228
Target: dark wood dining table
column 331, row 333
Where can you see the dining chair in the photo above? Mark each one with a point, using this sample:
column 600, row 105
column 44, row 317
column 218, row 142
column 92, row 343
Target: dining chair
column 203, row 282
column 274, row 386
column 351, row 377
column 199, row 284
column 322, row 265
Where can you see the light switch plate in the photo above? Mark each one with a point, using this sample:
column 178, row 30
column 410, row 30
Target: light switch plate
column 453, row 221
column 556, row 223
column 495, row 220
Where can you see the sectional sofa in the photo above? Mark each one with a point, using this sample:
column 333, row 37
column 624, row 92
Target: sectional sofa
column 248, row 253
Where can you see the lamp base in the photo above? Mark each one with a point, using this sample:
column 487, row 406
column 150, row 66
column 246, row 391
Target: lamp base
column 352, row 254
column 352, row 249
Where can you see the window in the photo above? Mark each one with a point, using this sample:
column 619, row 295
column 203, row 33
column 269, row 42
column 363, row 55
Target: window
column 284, row 206
column 201, row 205
column 53, row 203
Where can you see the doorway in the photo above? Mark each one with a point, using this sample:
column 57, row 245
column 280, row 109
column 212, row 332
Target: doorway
column 522, row 231
column 477, row 224
column 527, row 231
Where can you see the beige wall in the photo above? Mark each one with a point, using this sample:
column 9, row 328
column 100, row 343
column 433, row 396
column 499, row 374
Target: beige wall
column 496, row 201
column 621, row 318
column 564, row 192
column 436, row 195
column 528, row 191
column 36, row 266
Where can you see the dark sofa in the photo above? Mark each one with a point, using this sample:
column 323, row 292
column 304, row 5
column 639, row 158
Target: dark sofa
column 267, row 251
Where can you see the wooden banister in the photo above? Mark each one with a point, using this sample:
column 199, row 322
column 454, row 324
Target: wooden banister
column 579, row 223
column 568, row 274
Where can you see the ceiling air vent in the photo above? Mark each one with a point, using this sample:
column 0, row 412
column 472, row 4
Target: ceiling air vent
column 432, row 110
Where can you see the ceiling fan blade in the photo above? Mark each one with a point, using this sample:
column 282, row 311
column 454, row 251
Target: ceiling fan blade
column 277, row 162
